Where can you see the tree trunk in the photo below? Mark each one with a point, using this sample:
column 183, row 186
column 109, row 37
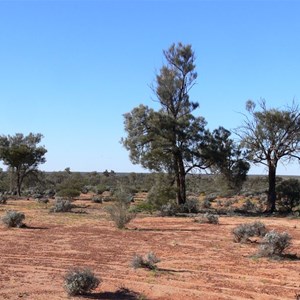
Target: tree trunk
column 271, row 204
column 180, row 180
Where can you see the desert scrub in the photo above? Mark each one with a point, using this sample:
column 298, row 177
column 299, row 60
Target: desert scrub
column 13, row 219
column 97, row 199
column 274, row 244
column 208, row 218
column 243, row 232
column 80, row 281
column 148, row 262
column 3, row 199
column 61, row 205
column 120, row 214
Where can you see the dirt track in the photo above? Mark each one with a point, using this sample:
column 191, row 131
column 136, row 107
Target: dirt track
column 198, row 261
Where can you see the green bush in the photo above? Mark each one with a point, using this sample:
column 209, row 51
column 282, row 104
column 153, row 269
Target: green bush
column 288, row 192
column 274, row 243
column 143, row 206
column 80, row 281
column 120, row 214
column 69, row 193
column 162, row 192
column 13, row 219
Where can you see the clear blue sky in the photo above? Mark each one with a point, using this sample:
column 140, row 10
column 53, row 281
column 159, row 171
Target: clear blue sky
column 70, row 69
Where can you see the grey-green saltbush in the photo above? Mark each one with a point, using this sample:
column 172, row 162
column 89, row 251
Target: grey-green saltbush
column 80, row 281
column 208, row 218
column 13, row 219
column 61, row 205
column 243, row 232
column 274, row 243
column 148, row 262
column 120, row 214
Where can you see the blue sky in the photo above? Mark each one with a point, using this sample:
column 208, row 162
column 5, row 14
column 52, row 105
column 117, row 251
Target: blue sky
column 70, row 69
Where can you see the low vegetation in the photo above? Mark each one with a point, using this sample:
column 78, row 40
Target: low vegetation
column 243, row 232
column 274, row 244
column 80, row 281
column 62, row 205
column 13, row 219
column 149, row 261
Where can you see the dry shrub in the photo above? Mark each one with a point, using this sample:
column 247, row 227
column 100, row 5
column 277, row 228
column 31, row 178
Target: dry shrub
column 148, row 262
column 243, row 232
column 13, row 219
column 80, row 281
column 274, row 244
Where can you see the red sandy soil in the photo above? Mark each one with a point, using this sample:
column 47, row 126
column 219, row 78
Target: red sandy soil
column 198, row 261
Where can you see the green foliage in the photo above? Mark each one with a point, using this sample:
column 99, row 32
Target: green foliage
column 80, row 281
column 13, row 219
column 224, row 156
column 288, row 192
column 243, row 232
column 143, row 206
column 162, row 192
column 271, row 135
column 22, row 155
column 149, row 261
column 275, row 243
column 168, row 139
column 120, row 212
column 68, row 193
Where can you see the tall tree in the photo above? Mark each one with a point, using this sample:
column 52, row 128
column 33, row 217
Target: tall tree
column 224, row 156
column 22, row 155
column 168, row 139
column 271, row 135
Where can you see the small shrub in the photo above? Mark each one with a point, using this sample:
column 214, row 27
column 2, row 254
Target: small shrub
column 205, row 204
column 190, row 206
column 243, row 232
column 13, row 219
column 288, row 192
column 274, row 243
column 3, row 199
column 80, row 281
column 97, row 199
column 148, row 262
column 169, row 209
column 248, row 206
column 143, row 206
column 69, row 193
column 62, row 205
column 208, row 218
column 42, row 200
column 120, row 214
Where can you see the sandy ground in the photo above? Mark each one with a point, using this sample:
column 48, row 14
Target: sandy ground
column 198, row 261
